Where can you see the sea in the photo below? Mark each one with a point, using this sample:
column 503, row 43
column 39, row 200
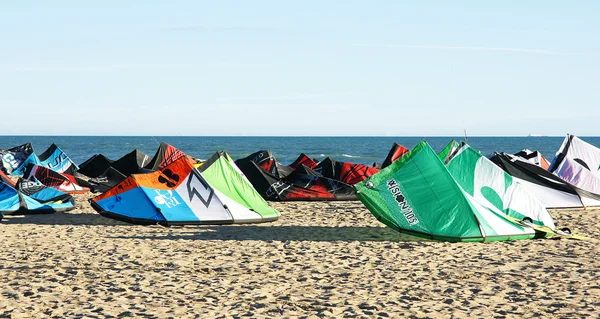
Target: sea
column 364, row 150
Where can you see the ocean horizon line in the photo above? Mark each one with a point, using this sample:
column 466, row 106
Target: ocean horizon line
column 254, row 136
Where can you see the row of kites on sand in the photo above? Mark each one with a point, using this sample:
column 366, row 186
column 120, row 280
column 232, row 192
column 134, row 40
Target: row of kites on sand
column 457, row 194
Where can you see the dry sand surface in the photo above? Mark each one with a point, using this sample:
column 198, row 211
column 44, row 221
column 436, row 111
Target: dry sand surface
column 318, row 260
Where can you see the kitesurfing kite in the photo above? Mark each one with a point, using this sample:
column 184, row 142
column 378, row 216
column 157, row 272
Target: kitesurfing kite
column 105, row 173
column 419, row 196
column 31, row 197
column 63, row 182
column 178, row 194
column 551, row 190
column 277, row 182
column 346, row 172
column 578, row 163
column 17, row 159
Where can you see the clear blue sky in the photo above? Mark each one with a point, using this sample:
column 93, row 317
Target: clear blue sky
column 422, row 68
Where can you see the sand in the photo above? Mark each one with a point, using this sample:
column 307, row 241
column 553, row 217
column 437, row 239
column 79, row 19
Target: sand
column 318, row 260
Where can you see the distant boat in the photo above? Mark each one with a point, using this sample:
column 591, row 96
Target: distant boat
column 535, row 135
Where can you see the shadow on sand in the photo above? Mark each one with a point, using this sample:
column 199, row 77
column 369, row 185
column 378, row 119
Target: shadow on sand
column 90, row 219
column 263, row 232
column 279, row 233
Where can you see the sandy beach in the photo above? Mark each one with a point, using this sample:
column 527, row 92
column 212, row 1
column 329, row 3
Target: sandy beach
column 319, row 260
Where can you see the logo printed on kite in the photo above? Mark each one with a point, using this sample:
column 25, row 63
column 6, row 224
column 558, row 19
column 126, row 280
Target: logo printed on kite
column 492, row 191
column 276, row 189
column 28, row 183
column 166, row 198
column 169, row 174
column 29, row 187
column 10, row 160
column 60, row 159
column 101, row 179
column 257, row 158
column 205, row 193
column 400, row 199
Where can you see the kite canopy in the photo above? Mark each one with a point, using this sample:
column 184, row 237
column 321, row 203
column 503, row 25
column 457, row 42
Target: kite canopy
column 106, row 173
column 30, row 160
column 551, row 190
column 107, row 180
column 178, row 194
column 63, row 182
column 131, row 163
column 267, row 162
column 41, row 193
column 165, row 155
column 226, row 178
column 346, row 172
column 449, row 151
column 305, row 160
column 55, row 159
column 14, row 157
column 418, row 195
column 534, row 157
column 32, row 198
column 395, row 153
column 277, row 182
column 17, row 159
column 95, row 166
column 579, row 151
column 577, row 163
column 492, row 187
column 5, row 179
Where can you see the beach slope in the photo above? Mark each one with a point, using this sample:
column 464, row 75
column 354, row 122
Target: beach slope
column 319, row 259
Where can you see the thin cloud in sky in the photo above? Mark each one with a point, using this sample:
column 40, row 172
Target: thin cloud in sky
column 470, row 48
column 88, row 67
column 307, row 96
column 208, row 29
column 113, row 67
